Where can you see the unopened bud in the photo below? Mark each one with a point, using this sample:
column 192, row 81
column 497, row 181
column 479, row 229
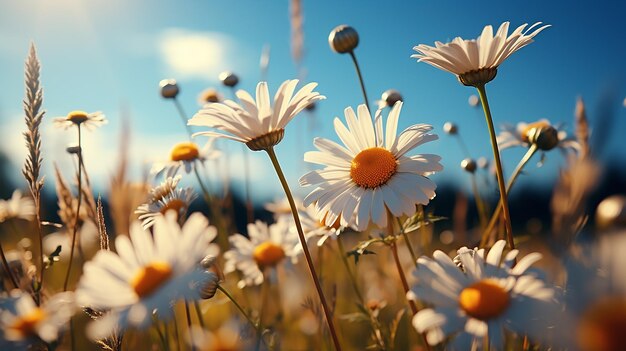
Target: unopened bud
column 450, row 128
column 468, row 165
column 343, row 39
column 169, row 88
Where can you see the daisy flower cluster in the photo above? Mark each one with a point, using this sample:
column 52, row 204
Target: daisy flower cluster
column 362, row 255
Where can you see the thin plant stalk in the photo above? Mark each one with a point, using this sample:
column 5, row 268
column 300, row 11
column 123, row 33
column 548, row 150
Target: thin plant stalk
column 307, row 254
column 462, row 145
column 265, row 289
column 482, row 215
column 222, row 235
column 183, row 116
column 394, row 251
column 196, row 306
column 375, row 325
column 7, row 268
column 258, row 327
column 176, row 334
column 518, row 170
column 358, row 72
column 409, row 245
column 496, row 157
column 188, row 316
column 246, row 173
column 78, row 204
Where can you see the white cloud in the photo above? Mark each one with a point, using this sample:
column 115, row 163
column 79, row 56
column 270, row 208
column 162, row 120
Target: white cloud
column 194, row 54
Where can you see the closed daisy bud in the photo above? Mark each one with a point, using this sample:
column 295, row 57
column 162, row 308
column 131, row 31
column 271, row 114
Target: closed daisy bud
column 343, row 39
column 468, row 165
column 545, row 137
column 473, row 100
column 611, row 212
column 169, row 88
column 229, row 79
column 72, row 149
column 450, row 128
column 390, row 97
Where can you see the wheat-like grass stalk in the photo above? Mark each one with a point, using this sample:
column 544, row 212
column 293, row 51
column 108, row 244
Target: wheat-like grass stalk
column 102, row 229
column 33, row 116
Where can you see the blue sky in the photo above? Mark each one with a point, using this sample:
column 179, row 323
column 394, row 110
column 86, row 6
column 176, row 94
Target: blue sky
column 110, row 55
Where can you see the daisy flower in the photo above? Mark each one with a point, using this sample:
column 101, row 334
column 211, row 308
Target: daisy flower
column 313, row 224
column 22, row 320
column 372, row 173
column 480, row 299
column 280, row 208
column 17, row 206
column 149, row 272
column 258, row 124
column 266, row 247
column 541, row 133
column 594, row 318
column 185, row 155
column 163, row 198
column 476, row 61
column 209, row 96
column 89, row 120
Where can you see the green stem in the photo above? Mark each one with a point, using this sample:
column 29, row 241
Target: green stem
column 256, row 325
column 8, row 268
column 375, row 325
column 196, row 306
column 80, row 197
column 409, row 246
column 344, row 259
column 518, row 170
column 222, row 233
column 358, row 72
column 307, row 254
column 188, row 316
column 246, row 174
column 183, row 116
column 479, row 202
column 265, row 288
column 500, row 174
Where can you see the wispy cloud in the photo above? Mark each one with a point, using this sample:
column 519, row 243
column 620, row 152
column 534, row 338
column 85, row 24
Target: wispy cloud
column 194, row 54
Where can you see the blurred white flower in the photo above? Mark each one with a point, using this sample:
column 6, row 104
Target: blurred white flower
column 22, row 320
column 542, row 133
column 480, row 299
column 148, row 274
column 266, row 247
column 17, row 206
column 185, row 155
column 89, row 120
column 163, row 198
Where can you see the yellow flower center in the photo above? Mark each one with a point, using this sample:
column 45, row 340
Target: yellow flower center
column 268, row 254
column 150, row 277
column 373, row 167
column 484, row 299
column 25, row 325
column 602, row 326
column 186, row 151
column 175, row 204
column 77, row 117
column 531, row 126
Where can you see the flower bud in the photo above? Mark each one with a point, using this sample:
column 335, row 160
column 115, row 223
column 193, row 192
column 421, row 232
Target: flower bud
column 73, row 149
column 169, row 88
column 391, row 96
column 343, row 39
column 468, row 165
column 545, row 137
column 473, row 100
column 209, row 95
column 450, row 128
column 229, row 79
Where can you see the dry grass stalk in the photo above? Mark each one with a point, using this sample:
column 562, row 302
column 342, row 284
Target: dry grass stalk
column 33, row 116
column 102, row 229
column 124, row 196
column 574, row 185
